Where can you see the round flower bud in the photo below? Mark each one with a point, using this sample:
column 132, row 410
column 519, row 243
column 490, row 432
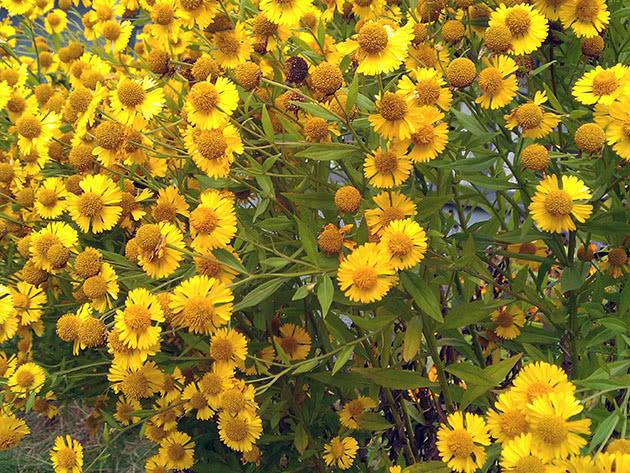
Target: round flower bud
column 590, row 138
column 593, row 47
column 326, row 78
column 461, row 72
column 347, row 199
column 497, row 38
column 158, row 61
column 248, row 75
column 453, row 31
column 295, row 69
column 535, row 157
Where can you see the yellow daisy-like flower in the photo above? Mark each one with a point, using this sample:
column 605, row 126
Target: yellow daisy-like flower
column 12, row 431
column 587, row 18
column 404, row 242
column 50, row 198
column 215, row 382
column 125, row 357
column 210, row 105
column 7, row 307
column 283, row 12
column 428, row 87
column 136, row 383
column 378, row 47
column 102, row 288
column 498, row 83
column 28, row 301
column 526, row 24
column 241, row 431
column 50, row 247
column 124, row 409
column 26, row 379
column 134, row 100
column 294, row 341
column 169, row 205
column 195, row 400
column 178, row 451
column 612, row 462
column 554, row 435
column 389, row 167
column 340, row 452
column 616, row 123
column 552, row 207
column 602, row 86
column 35, row 132
column 201, row 304
column 397, row 116
column 67, row 455
column 533, row 120
column 200, row 12
column 461, row 442
column 533, row 248
column 351, row 413
column 207, row 264
column 550, row 8
column 508, row 419
column 213, row 222
column 213, row 150
column 234, row 47
column 134, row 323
column 430, row 137
column 98, row 208
column 508, row 321
column 520, row 455
column 117, row 35
column 228, row 347
column 390, row 206
column 367, row 274
column 537, row 379
column 160, row 249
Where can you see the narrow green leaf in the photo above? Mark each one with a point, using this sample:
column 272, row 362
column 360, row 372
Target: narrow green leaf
column 342, row 358
column 325, row 292
column 422, row 294
column 412, row 338
column 259, row 294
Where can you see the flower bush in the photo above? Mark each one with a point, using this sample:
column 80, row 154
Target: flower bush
column 298, row 235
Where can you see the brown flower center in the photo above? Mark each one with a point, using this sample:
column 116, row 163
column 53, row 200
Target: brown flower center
column 392, row 107
column 373, row 38
column 365, row 278
column 518, row 22
column 558, row 203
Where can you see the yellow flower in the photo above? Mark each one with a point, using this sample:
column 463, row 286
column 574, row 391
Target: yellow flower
column 67, row 455
column 28, row 301
column 387, row 167
column 430, row 136
column 527, row 25
column 196, row 400
column 427, row 88
column 461, row 442
column 124, row 409
column 508, row 419
column 201, row 304
column 215, row 382
column 134, row 322
column 519, row 455
column 537, row 379
column 213, row 222
column 50, row 198
column 228, row 347
column 533, row 120
column 35, row 132
column 397, row 116
column 367, row 274
column 390, row 206
column 27, row 378
column 198, row 12
column 533, row 248
column 552, row 207
column 239, row 398
column 178, row 451
column 56, row 21
column 50, row 247
column 213, row 150
column 234, row 47
column 615, row 120
column 135, row 100
column 497, row 82
column 160, row 249
column 554, row 435
column 508, row 321
column 117, row 35
column 12, row 431
column 340, row 452
column 169, row 205
column 241, row 431
column 294, row 341
column 284, row 12
column 7, row 306
column 138, row 383
column 404, row 242
column 602, row 86
column 102, row 288
column 211, row 105
column 378, row 47
column 98, row 208
column 125, row 357
column 351, row 413
column 587, row 18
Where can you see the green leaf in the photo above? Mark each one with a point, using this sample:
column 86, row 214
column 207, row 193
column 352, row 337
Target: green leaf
column 325, row 292
column 573, row 278
column 306, row 366
column 470, row 373
column 395, row 378
column 422, row 294
column 317, row 110
column 301, row 293
column 375, row 324
column 267, row 125
column 604, row 431
column 342, row 358
column 470, row 313
column 497, row 372
column 259, row 294
column 373, row 422
column 300, row 440
column 353, row 92
column 307, row 240
column 329, row 153
column 468, row 122
column 412, row 338
column 227, row 258
column 427, row 467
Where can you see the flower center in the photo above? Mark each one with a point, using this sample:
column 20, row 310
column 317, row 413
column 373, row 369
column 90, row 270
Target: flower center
column 626, row 129
column 552, row 430
column 47, row 197
column 191, row 4
column 392, row 107
column 149, row 237
column 337, row 449
column 236, row 429
column 204, row 97
column 25, row 379
column 90, row 204
column 95, row 287
column 491, row 81
column 204, row 220
column 529, row 115
column 390, row 214
column 109, row 135
column 176, row 452
column 373, row 38
column 221, row 349
column 385, row 162
column 400, row 244
column 137, row 318
column 529, row 464
column 558, row 203
column 162, row 14
column 53, row 19
column 513, row 423
column 289, row 344
column 504, row 319
column 211, row 144
column 66, row 458
column 29, row 127
column 518, row 22
column 135, row 385
column 536, row 390
column 198, row 401
column 365, row 278
column 423, row 135
column 527, row 249
column 211, row 384
column 428, row 92
column 227, row 43
column 460, row 443
column 605, row 83
column 111, row 30
column 23, row 302
column 586, row 10
column 131, row 94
